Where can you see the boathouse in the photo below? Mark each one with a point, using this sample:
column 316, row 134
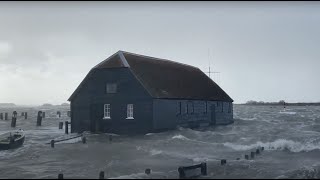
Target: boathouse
column 132, row 93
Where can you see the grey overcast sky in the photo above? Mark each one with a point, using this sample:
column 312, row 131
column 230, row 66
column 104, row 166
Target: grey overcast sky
column 265, row 51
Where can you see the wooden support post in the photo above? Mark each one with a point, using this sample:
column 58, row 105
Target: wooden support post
column 5, row 116
column 60, row 176
column 39, row 118
column 1, row 116
column 25, row 115
column 204, row 169
column 246, row 157
column 43, row 114
column 252, row 155
column 101, row 175
column 52, row 143
column 66, row 127
column 60, row 125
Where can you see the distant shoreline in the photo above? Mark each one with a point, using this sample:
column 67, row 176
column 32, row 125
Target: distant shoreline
column 277, row 104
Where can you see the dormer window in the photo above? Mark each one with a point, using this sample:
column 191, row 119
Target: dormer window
column 111, row 88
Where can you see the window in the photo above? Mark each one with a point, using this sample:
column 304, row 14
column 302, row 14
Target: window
column 179, row 108
column 205, row 107
column 186, row 107
column 222, row 107
column 190, row 107
column 107, row 111
column 130, row 111
column 111, row 88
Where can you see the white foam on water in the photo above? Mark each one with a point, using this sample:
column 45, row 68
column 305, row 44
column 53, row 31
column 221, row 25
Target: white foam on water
column 180, row 137
column 279, row 144
column 248, row 119
column 287, row 112
column 155, row 152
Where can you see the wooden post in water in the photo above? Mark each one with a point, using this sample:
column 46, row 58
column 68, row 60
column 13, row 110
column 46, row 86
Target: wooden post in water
column 14, row 119
column 1, row 116
column 101, row 175
column 5, row 116
column 257, row 151
column 52, row 143
column 84, row 139
column 246, row 157
column 66, row 127
column 60, row 176
column 182, row 175
column 204, row 169
column 39, row 118
column 60, row 125
column 25, row 115
column 252, row 155
column 147, row 171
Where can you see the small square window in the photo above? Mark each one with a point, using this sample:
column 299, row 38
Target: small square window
column 111, row 88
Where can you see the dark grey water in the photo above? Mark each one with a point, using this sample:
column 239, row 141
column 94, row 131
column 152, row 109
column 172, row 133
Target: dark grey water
column 291, row 140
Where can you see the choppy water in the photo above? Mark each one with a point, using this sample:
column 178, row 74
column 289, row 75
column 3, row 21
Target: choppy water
column 291, row 140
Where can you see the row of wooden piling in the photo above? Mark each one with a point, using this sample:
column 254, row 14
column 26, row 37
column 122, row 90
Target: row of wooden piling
column 25, row 114
column 14, row 114
column 253, row 153
column 101, row 175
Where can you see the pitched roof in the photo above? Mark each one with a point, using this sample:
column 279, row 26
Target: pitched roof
column 166, row 79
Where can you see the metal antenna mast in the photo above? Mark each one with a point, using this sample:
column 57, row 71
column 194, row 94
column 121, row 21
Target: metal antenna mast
column 213, row 72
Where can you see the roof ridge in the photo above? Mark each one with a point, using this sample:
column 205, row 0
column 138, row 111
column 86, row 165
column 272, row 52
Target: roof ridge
column 161, row 59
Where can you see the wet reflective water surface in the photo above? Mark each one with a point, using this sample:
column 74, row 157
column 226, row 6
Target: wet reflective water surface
column 291, row 141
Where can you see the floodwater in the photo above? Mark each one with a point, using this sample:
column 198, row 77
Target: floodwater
column 291, row 140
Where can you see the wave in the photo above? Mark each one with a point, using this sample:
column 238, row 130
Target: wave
column 180, row 137
column 279, row 144
column 305, row 172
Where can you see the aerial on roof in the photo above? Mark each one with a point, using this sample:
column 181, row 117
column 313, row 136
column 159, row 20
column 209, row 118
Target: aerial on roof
column 165, row 79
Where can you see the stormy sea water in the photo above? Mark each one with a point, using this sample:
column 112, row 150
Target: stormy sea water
column 291, row 140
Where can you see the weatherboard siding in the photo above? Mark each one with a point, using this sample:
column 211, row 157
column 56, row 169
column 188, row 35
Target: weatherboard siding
column 129, row 91
column 166, row 113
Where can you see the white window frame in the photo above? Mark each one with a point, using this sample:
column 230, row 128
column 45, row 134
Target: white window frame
column 107, row 111
column 130, row 111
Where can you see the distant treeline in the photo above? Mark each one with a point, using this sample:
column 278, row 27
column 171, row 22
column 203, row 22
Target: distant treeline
column 281, row 103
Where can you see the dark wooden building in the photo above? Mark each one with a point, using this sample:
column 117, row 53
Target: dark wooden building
column 131, row 93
